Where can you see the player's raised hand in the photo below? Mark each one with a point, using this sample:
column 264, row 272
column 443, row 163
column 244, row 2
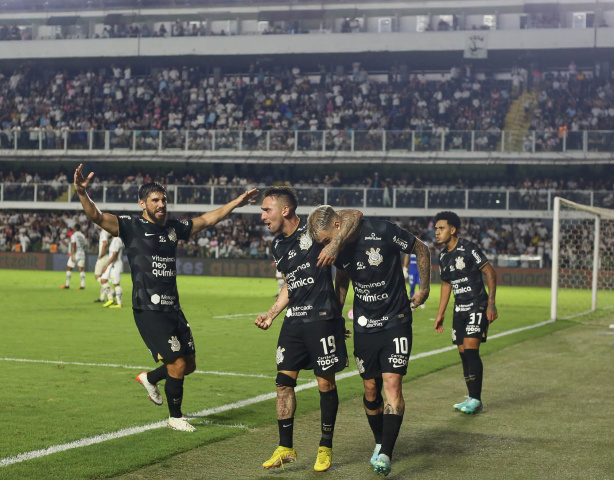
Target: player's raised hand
column 81, row 182
column 263, row 321
column 248, row 197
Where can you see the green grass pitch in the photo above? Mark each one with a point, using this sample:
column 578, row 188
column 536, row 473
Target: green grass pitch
column 68, row 368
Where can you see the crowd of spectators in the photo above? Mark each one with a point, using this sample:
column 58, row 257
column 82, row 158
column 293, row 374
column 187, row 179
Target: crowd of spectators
column 181, row 98
column 343, row 189
column 244, row 235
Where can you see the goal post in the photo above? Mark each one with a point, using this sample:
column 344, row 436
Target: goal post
column 582, row 259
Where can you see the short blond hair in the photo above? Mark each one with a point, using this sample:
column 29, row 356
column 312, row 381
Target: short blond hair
column 321, row 218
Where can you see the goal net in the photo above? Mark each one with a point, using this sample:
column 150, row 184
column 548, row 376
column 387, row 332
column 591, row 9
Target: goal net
column 582, row 259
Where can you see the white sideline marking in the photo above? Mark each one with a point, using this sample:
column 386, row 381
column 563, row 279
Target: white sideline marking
column 130, row 367
column 84, row 442
column 238, row 315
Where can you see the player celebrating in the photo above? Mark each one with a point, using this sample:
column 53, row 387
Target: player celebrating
column 151, row 246
column 382, row 315
column 312, row 335
column 76, row 257
column 112, row 273
column 103, row 259
column 461, row 264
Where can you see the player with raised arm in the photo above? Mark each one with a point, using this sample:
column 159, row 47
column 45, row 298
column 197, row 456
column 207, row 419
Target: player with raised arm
column 103, row 258
column 76, row 257
column 382, row 315
column 462, row 264
column 312, row 336
column 112, row 272
column 151, row 245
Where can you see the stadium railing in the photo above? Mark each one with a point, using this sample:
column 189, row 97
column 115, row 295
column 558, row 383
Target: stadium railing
column 492, row 200
column 188, row 142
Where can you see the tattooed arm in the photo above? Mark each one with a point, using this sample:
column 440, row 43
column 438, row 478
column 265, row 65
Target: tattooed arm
column 342, row 284
column 423, row 261
column 265, row 320
column 350, row 221
column 491, row 282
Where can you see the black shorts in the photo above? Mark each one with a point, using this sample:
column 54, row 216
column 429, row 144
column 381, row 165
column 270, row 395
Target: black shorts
column 317, row 346
column 386, row 351
column 469, row 321
column 166, row 334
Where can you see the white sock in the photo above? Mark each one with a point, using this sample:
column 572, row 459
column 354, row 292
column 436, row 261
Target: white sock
column 68, row 275
column 118, row 294
column 102, row 289
column 108, row 291
column 82, row 275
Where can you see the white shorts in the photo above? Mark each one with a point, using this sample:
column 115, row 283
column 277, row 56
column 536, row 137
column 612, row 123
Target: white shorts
column 78, row 261
column 100, row 263
column 113, row 273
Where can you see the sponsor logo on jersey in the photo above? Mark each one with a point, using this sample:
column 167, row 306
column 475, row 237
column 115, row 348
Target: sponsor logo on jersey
column 298, row 311
column 142, row 220
column 127, row 217
column 346, row 265
column 149, row 234
column 458, row 290
column 291, row 254
column 302, row 282
column 360, row 266
column 371, row 323
column 292, row 275
column 476, row 256
column 175, row 345
column 460, row 263
column 460, row 248
column 305, row 242
column 372, row 237
column 463, row 307
column 472, row 329
column 375, row 297
column 400, row 242
column 279, row 357
column 185, row 222
column 375, row 258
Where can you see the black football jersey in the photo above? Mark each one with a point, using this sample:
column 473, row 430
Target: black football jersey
column 374, row 264
column 310, row 288
column 151, row 251
column 461, row 268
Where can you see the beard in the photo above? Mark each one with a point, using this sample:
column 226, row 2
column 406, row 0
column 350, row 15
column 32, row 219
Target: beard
column 161, row 221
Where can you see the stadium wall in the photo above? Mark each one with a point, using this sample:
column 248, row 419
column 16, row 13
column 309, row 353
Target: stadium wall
column 527, row 277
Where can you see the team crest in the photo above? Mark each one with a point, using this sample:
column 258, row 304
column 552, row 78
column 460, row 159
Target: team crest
column 305, row 242
column 280, row 355
column 460, row 263
column 375, row 258
column 175, row 345
column 359, row 365
column 172, row 236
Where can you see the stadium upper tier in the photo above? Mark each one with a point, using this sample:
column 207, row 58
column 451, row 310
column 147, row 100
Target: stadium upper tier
column 288, row 116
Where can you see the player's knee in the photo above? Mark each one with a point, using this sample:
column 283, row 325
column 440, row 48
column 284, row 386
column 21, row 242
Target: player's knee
column 284, row 380
column 375, row 404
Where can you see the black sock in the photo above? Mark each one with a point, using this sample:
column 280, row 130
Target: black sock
column 465, row 368
column 174, row 395
column 286, row 431
column 476, row 373
column 156, row 375
column 376, row 422
column 392, row 425
column 329, row 404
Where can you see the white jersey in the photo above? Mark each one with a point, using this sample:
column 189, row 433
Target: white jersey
column 80, row 242
column 117, row 245
column 104, row 237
